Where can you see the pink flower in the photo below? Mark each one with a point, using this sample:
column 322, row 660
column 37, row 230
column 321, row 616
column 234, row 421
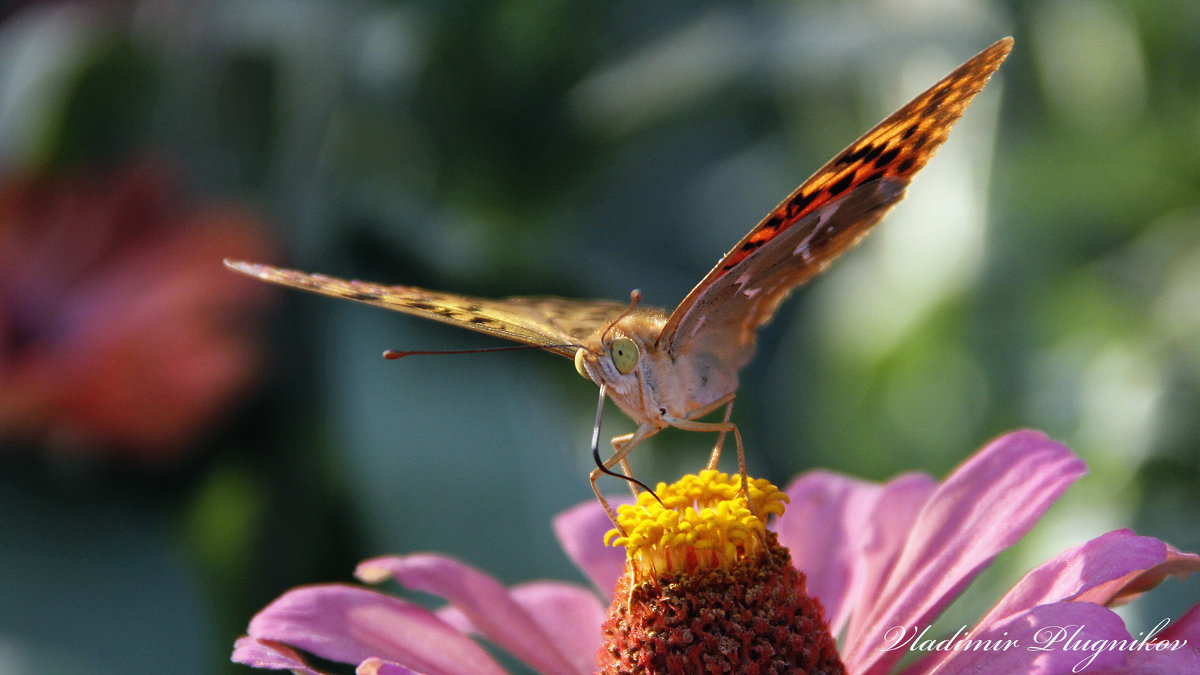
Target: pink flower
column 884, row 560
column 119, row 329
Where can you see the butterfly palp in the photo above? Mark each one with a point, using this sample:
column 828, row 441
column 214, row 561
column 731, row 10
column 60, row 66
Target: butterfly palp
column 579, row 364
column 624, row 354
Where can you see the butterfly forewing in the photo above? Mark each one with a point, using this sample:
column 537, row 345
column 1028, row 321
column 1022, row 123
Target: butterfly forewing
column 823, row 217
column 557, row 324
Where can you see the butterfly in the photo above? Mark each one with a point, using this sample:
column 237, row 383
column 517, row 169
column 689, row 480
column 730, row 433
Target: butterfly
column 670, row 369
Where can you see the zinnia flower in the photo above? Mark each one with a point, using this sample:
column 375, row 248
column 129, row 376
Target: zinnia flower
column 882, row 559
column 119, row 329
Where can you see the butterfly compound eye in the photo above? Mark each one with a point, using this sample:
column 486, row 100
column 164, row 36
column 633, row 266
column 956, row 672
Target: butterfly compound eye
column 624, row 354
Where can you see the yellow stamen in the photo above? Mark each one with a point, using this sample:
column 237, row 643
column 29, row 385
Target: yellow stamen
column 702, row 523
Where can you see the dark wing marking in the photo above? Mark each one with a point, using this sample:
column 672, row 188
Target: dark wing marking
column 556, row 324
column 828, row 213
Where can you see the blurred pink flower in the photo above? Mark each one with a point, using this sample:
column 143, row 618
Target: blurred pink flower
column 884, row 560
column 119, row 329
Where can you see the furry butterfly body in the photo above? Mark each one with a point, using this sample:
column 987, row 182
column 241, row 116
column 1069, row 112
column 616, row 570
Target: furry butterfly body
column 672, row 368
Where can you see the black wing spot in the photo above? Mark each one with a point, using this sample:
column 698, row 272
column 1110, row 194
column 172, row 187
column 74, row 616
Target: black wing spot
column 875, row 176
column 852, row 157
column 361, row 295
column 840, row 186
column 909, row 132
column 800, row 203
column 423, row 305
column 907, row 164
column 481, row 319
column 886, row 158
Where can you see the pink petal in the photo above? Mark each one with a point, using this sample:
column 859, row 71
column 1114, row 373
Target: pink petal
column 482, row 599
column 1182, row 661
column 570, row 615
column 822, row 528
column 1186, row 628
column 884, row 531
column 1077, row 573
column 1049, row 639
column 1180, row 644
column 982, row 508
column 580, row 530
column 1176, row 563
column 375, row 666
column 348, row 624
column 272, row 656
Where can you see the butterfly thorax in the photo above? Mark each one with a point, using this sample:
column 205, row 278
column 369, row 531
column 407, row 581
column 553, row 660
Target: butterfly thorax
column 648, row 383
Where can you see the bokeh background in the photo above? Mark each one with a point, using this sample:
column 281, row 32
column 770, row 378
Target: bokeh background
column 181, row 445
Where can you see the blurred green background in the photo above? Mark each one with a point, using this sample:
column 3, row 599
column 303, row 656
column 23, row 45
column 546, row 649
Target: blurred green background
column 1043, row 272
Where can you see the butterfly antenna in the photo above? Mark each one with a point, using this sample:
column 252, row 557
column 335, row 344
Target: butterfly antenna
column 596, row 451
column 393, row 354
column 635, row 296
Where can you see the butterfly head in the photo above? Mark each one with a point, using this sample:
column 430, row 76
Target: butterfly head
column 613, row 349
column 623, row 357
column 620, row 354
column 614, row 360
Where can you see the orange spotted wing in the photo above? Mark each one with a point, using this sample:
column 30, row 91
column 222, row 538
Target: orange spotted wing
column 823, row 217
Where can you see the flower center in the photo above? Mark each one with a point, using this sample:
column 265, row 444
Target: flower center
column 707, row 589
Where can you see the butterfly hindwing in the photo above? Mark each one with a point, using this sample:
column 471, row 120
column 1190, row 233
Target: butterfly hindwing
column 823, row 217
column 557, row 324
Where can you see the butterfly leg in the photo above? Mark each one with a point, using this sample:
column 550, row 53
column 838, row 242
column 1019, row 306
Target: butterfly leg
column 619, row 442
column 629, row 472
column 723, row 428
column 716, row 453
column 622, row 445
